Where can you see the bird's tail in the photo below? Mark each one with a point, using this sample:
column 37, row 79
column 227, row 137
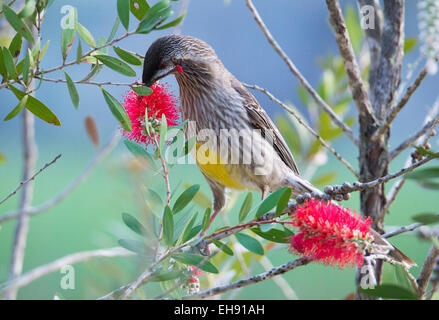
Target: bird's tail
column 380, row 244
column 301, row 186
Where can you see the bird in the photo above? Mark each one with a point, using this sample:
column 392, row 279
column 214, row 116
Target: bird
column 238, row 147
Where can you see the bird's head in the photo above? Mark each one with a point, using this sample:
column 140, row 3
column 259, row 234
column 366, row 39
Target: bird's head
column 180, row 55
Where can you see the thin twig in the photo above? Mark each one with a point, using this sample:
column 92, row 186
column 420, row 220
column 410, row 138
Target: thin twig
column 31, row 178
column 407, row 143
column 9, row 4
column 251, row 280
column 403, row 229
column 396, row 109
column 335, row 118
column 397, row 186
column 307, row 127
column 359, row 92
column 427, row 269
column 31, row 211
column 99, row 84
column 41, row 271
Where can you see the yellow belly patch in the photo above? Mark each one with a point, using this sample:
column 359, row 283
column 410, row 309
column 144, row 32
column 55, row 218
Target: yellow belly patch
column 215, row 170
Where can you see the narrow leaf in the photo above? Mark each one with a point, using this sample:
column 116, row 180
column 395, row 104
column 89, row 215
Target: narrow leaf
column 206, row 218
column 186, row 197
column 273, row 235
column 283, row 201
column 224, row 248
column 134, row 246
column 142, row 90
column 139, row 8
column 17, row 109
column 18, row 24
column 114, row 29
column 117, row 110
column 134, row 224
column 250, row 243
column 85, row 34
column 116, row 65
column 195, row 260
column 127, row 56
column 173, row 23
column 9, row 64
column 390, row 291
column 246, row 206
column 427, row 218
column 123, row 11
column 15, row 46
column 38, row 108
column 270, row 202
column 168, row 226
column 163, row 133
column 79, row 52
column 72, row 90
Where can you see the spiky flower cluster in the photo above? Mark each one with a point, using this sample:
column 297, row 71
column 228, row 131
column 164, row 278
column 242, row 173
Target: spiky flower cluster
column 428, row 23
column 159, row 102
column 330, row 234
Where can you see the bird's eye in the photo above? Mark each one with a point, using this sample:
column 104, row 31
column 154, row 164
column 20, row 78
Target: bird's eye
column 161, row 66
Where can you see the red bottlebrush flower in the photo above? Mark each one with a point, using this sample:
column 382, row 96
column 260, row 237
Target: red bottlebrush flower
column 159, row 102
column 330, row 233
column 196, row 271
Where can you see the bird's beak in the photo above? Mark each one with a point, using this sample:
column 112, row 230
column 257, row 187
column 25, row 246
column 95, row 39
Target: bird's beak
column 151, row 75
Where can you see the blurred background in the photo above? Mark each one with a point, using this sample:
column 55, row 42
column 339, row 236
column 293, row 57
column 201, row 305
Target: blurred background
column 90, row 218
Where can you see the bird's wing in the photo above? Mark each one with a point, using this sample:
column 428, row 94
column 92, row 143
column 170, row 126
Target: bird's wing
column 260, row 120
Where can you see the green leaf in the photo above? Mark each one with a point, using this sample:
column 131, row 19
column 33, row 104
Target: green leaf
column 123, row 11
column 85, row 34
column 165, row 275
column 173, row 23
column 17, row 109
column 423, row 173
column 273, row 235
column 133, row 245
column 409, row 44
column 43, row 51
column 28, row 9
column 139, row 8
column 390, row 291
column 224, row 248
column 402, row 278
column 206, row 218
column 270, row 202
column 26, row 69
column 195, row 260
column 427, row 218
column 133, row 223
column 186, row 197
column 354, row 28
column 426, row 153
column 116, row 65
column 117, row 110
column 127, row 56
column 3, row 70
column 38, row 108
column 185, row 236
column 142, row 90
column 137, row 150
column 163, row 133
column 67, row 38
column 15, row 46
column 246, row 207
column 18, row 24
column 79, row 52
column 72, row 90
column 9, row 64
column 283, row 201
column 93, row 72
column 168, row 226
column 114, row 29
column 250, row 243
column 154, row 16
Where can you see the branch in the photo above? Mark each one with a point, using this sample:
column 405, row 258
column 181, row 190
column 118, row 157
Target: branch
column 40, row 271
column 427, row 269
column 401, row 230
column 407, row 143
column 251, row 280
column 396, row 109
column 31, row 211
column 31, row 178
column 99, row 84
column 359, row 92
column 307, row 127
column 335, row 118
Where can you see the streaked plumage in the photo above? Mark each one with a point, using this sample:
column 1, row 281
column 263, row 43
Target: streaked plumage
column 212, row 97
